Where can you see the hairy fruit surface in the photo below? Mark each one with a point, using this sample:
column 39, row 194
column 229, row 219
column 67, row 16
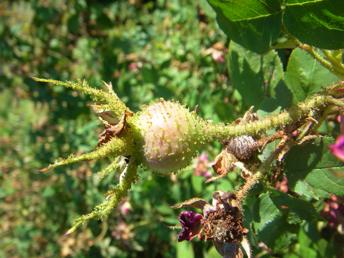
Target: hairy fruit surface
column 170, row 135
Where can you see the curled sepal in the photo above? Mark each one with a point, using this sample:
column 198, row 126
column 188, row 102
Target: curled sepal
column 103, row 210
column 197, row 203
column 104, row 113
column 109, row 169
column 110, row 98
column 112, row 130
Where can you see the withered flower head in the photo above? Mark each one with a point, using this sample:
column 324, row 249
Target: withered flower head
column 225, row 222
column 222, row 223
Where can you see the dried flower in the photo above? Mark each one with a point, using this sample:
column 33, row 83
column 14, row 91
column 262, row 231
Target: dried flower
column 222, row 222
column 223, row 163
column 191, row 225
column 337, row 149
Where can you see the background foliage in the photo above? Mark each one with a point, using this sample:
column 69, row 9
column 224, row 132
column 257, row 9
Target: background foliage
column 150, row 49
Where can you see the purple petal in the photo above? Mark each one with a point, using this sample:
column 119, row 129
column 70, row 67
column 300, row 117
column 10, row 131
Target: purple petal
column 337, row 148
column 191, row 225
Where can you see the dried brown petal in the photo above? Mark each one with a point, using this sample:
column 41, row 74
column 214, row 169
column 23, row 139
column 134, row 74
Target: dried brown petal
column 113, row 130
column 223, row 163
column 108, row 87
column 249, row 116
column 105, row 115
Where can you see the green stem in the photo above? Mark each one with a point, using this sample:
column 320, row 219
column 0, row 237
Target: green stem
column 222, row 132
column 334, row 61
column 108, row 170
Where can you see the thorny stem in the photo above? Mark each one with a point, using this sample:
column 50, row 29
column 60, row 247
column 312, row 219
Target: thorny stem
column 124, row 145
column 265, row 166
column 102, row 210
column 109, row 169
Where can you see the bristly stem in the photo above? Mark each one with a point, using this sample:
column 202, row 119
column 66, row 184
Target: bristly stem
column 222, row 132
column 109, row 169
column 263, row 169
column 251, row 181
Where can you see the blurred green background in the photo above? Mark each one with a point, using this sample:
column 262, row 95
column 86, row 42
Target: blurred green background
column 147, row 49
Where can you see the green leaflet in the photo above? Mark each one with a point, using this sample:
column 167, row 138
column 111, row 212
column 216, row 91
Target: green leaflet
column 268, row 220
column 258, row 78
column 255, row 24
column 314, row 164
column 305, row 76
column 315, row 22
